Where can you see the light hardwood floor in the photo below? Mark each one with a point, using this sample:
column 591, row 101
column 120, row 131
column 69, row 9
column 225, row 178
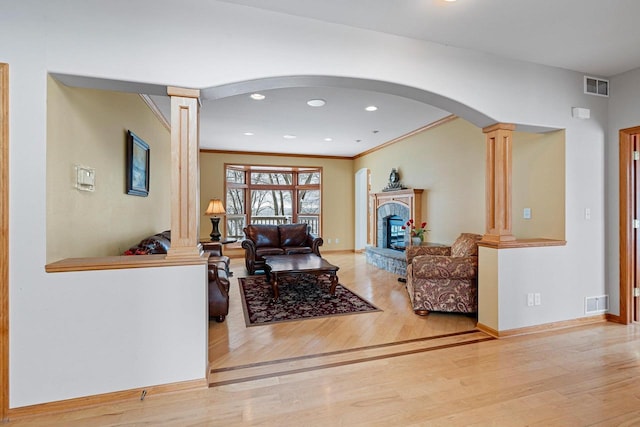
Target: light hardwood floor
column 583, row 376
column 231, row 343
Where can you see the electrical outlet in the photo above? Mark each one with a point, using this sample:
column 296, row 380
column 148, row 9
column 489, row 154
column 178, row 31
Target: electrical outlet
column 337, row 240
column 530, row 300
column 536, row 298
column 526, row 213
column 328, row 241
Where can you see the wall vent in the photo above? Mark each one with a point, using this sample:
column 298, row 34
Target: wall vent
column 596, row 304
column 596, row 86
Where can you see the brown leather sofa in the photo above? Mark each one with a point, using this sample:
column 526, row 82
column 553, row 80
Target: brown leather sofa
column 284, row 239
column 218, row 272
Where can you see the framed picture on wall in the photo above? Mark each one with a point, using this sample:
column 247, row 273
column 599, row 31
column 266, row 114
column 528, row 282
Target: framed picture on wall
column 138, row 154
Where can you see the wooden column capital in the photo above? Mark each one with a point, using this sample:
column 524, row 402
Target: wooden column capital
column 499, row 126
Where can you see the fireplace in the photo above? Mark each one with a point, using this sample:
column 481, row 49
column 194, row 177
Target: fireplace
column 394, row 238
column 391, row 210
column 400, row 205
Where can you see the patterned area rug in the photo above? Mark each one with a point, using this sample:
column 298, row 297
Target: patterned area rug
column 301, row 297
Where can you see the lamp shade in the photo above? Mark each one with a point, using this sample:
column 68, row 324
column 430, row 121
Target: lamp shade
column 215, row 208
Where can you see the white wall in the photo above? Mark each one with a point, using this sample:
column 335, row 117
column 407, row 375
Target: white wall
column 91, row 332
column 164, row 42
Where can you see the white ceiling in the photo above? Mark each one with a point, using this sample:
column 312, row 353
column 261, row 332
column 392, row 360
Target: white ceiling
column 595, row 37
column 343, row 119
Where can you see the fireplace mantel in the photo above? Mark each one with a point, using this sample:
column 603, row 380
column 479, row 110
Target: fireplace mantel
column 411, row 198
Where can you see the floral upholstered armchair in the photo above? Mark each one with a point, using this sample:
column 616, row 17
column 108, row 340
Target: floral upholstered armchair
column 444, row 278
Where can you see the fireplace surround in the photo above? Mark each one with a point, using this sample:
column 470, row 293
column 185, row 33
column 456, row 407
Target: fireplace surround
column 403, row 204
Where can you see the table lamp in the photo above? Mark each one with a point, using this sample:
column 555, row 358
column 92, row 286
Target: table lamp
column 214, row 209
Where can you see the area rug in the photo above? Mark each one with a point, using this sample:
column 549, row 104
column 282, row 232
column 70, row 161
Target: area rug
column 301, row 297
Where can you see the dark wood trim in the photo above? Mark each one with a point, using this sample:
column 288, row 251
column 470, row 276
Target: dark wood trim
column 333, row 353
column 248, row 168
column 4, row 241
column 627, row 273
column 614, row 318
column 290, row 362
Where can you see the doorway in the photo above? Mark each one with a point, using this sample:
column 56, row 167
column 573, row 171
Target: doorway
column 362, row 216
column 629, row 224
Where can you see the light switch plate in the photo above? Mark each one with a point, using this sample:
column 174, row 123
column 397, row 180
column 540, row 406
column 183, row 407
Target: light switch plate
column 526, row 213
column 85, row 178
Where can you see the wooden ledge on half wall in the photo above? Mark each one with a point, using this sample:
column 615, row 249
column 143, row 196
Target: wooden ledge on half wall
column 523, row 243
column 119, row 263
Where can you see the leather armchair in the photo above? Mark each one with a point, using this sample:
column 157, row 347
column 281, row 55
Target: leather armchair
column 444, row 278
column 284, row 239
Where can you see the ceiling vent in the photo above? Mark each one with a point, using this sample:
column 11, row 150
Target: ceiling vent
column 596, row 86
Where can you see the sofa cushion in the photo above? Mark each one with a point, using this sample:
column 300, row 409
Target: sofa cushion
column 267, row 250
column 293, row 234
column 292, row 250
column 263, row 235
column 465, row 245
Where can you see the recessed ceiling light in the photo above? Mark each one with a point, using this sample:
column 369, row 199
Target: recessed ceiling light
column 257, row 96
column 289, row 136
column 328, row 139
column 316, row 102
column 371, row 108
column 249, row 133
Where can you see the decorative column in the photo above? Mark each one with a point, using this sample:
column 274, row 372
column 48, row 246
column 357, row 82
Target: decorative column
column 185, row 170
column 498, row 182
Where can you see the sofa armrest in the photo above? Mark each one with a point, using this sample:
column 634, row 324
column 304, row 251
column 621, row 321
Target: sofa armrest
column 413, row 251
column 218, row 293
column 314, row 242
column 445, row 267
column 249, row 246
column 249, row 254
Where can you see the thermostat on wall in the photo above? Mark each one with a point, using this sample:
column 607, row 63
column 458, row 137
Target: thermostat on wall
column 85, row 178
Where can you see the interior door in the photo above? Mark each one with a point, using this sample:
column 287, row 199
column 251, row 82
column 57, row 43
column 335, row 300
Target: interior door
column 635, row 253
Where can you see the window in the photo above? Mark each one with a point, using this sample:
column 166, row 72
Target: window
column 272, row 195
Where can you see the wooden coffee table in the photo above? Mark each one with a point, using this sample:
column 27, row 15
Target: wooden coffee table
column 277, row 266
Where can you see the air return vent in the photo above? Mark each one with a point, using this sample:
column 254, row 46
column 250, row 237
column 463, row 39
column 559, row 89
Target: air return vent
column 596, row 86
column 596, row 304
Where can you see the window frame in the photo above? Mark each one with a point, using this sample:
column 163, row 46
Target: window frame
column 295, row 188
